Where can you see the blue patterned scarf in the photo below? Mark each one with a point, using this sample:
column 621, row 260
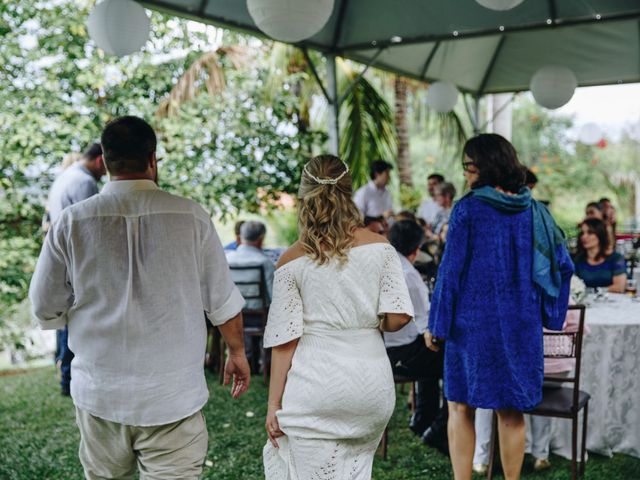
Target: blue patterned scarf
column 546, row 234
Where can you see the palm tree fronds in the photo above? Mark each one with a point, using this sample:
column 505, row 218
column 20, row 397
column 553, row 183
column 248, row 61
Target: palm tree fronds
column 368, row 131
column 206, row 71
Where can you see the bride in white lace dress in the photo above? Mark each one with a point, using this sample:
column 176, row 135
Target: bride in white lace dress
column 331, row 392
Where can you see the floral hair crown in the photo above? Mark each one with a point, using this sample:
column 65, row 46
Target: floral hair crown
column 327, row 181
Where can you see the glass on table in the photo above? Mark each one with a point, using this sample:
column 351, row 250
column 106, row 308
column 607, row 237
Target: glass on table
column 632, row 287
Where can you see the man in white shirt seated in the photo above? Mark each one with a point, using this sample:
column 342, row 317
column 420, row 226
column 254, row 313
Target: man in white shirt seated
column 373, row 199
column 429, row 208
column 407, row 348
column 130, row 271
column 248, row 254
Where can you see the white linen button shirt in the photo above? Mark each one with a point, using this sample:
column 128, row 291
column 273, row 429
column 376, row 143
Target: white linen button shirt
column 132, row 272
column 373, row 201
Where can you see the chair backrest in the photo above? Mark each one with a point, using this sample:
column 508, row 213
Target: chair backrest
column 567, row 345
column 253, row 287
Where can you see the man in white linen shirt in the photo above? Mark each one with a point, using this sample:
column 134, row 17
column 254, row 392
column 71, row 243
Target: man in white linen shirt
column 373, row 199
column 407, row 348
column 131, row 271
column 429, row 208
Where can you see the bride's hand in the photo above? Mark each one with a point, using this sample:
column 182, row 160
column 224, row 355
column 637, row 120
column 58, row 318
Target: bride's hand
column 272, row 426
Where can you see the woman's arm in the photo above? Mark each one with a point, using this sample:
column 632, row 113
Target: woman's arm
column 619, row 283
column 281, row 357
column 392, row 322
column 450, row 272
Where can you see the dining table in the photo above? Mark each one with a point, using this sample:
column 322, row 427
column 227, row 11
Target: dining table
column 610, row 373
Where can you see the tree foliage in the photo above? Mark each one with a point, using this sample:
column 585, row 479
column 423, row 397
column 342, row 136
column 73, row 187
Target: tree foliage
column 226, row 149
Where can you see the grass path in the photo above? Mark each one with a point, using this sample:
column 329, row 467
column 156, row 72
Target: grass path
column 39, row 439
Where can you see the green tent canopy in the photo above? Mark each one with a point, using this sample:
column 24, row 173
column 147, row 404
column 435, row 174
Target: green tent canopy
column 480, row 50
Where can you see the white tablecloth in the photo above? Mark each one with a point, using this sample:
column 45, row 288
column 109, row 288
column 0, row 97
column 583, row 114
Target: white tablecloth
column 611, row 374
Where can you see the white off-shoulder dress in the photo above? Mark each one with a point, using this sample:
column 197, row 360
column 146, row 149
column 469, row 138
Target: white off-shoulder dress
column 339, row 393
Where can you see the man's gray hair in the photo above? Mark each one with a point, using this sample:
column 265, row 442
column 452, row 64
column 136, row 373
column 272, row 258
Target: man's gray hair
column 252, row 231
column 447, row 189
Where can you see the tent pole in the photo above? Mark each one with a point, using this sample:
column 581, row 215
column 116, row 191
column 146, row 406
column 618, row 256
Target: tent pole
column 473, row 112
column 334, row 106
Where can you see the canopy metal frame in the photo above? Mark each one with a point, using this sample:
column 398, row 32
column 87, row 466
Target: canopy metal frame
column 598, row 39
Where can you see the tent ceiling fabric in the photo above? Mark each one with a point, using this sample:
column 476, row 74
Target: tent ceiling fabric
column 461, row 41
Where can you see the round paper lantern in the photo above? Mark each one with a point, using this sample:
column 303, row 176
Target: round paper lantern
column 500, row 4
column 119, row 27
column 553, row 85
column 442, row 96
column 590, row 134
column 290, row 20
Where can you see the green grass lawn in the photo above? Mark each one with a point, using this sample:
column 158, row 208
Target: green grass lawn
column 39, row 438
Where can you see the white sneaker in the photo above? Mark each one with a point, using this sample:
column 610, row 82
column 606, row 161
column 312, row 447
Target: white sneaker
column 480, row 468
column 541, row 464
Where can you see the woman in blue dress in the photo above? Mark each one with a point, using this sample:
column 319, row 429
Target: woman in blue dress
column 504, row 275
column 596, row 262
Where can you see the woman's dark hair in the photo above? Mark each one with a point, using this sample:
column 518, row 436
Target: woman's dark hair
column 599, row 229
column 497, row 162
column 406, row 236
column 531, row 178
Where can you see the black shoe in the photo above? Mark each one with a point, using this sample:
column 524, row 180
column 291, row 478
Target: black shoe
column 418, row 430
column 437, row 440
column 65, row 392
column 417, row 427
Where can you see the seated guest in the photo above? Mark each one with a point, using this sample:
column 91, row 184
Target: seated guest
column 250, row 253
column 373, row 199
column 407, row 348
column 445, row 193
column 430, row 208
column 594, row 210
column 595, row 263
column 375, row 224
column 405, row 215
column 236, row 229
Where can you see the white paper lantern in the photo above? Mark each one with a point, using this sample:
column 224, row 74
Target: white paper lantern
column 590, row 134
column 553, row 85
column 442, row 96
column 290, row 20
column 500, row 4
column 119, row 27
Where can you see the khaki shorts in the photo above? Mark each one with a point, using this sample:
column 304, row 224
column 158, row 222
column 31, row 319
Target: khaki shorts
column 110, row 450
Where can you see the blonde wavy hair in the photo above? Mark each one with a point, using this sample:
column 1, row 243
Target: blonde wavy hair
column 327, row 216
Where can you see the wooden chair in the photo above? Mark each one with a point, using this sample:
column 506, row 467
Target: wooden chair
column 252, row 290
column 560, row 402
